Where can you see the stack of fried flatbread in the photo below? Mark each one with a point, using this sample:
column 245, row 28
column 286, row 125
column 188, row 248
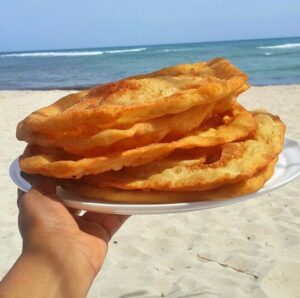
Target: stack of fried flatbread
column 174, row 135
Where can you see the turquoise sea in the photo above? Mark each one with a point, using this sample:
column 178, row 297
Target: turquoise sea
column 267, row 62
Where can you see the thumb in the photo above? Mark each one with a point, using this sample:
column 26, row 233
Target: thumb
column 38, row 205
column 42, row 184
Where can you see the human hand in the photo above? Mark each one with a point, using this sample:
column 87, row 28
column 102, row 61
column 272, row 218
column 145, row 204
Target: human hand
column 75, row 245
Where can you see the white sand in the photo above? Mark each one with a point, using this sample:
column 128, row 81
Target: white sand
column 251, row 249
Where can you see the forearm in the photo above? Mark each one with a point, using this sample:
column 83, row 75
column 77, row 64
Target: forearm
column 61, row 253
column 37, row 274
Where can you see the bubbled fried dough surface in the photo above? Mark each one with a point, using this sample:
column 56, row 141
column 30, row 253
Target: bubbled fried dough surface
column 39, row 160
column 169, row 91
column 241, row 188
column 238, row 161
column 140, row 134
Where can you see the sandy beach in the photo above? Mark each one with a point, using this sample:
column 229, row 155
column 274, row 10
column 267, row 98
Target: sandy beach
column 250, row 249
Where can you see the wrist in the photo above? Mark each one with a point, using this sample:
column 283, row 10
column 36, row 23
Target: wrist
column 63, row 258
column 38, row 273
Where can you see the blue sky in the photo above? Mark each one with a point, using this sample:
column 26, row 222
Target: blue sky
column 59, row 24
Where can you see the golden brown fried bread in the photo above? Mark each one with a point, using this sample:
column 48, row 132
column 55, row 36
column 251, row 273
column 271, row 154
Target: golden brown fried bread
column 57, row 163
column 169, row 91
column 140, row 134
column 158, row 197
column 173, row 135
column 238, row 161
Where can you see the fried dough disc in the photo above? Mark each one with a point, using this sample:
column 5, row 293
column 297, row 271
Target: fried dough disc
column 169, row 91
column 158, row 197
column 238, row 161
column 140, row 134
column 57, row 163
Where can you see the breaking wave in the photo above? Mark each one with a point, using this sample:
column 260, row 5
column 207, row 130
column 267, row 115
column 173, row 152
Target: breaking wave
column 53, row 54
column 125, row 50
column 70, row 53
column 282, row 46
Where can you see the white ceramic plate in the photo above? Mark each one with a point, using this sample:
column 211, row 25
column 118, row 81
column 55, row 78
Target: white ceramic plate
column 287, row 169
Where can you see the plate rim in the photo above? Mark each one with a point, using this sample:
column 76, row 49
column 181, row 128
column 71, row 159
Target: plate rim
column 124, row 208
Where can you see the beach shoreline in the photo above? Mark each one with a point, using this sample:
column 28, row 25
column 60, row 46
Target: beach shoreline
column 250, row 249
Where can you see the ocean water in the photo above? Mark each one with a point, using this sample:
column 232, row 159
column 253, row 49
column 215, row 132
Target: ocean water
column 267, row 62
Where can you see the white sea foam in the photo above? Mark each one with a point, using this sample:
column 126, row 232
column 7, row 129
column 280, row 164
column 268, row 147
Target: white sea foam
column 176, row 50
column 53, row 54
column 125, row 50
column 70, row 54
column 268, row 53
column 281, row 46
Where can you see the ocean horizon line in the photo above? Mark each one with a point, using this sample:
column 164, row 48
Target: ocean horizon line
column 274, row 61
column 145, row 45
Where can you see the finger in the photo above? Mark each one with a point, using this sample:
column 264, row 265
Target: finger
column 112, row 223
column 36, row 203
column 42, row 184
column 93, row 216
column 20, row 194
column 36, row 206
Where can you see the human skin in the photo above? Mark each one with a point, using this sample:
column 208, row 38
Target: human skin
column 62, row 251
